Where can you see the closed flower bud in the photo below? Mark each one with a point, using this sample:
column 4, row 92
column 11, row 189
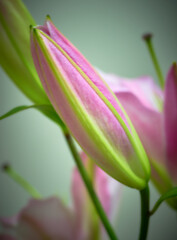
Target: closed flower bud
column 88, row 107
column 15, row 55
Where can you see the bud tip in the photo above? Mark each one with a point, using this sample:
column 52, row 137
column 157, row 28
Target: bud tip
column 48, row 17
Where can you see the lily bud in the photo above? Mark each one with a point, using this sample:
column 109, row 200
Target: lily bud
column 88, row 107
column 15, row 55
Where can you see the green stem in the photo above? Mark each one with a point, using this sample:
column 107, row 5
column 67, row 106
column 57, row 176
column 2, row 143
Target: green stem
column 144, row 194
column 89, row 187
column 172, row 193
column 91, row 217
column 148, row 39
column 21, row 181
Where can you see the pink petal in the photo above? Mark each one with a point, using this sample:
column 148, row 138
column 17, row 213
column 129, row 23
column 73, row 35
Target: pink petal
column 104, row 186
column 9, row 225
column 139, row 98
column 102, row 189
column 170, row 115
column 79, row 192
column 148, row 124
column 86, row 215
column 115, row 192
column 46, row 219
column 143, row 88
column 109, row 193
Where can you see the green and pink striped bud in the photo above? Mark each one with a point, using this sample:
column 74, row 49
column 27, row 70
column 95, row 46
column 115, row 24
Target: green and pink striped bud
column 88, row 107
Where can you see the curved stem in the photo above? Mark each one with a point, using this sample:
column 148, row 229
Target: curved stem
column 144, row 194
column 89, row 187
column 21, row 181
column 172, row 193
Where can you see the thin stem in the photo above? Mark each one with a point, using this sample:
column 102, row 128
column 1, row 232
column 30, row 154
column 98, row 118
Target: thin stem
column 172, row 193
column 89, row 187
column 21, row 181
column 144, row 194
column 148, row 39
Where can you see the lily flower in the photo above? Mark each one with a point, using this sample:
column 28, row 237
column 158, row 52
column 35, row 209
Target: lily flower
column 88, row 107
column 51, row 219
column 153, row 113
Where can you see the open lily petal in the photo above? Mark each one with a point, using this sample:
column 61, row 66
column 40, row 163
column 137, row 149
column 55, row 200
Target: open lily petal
column 143, row 101
column 170, row 115
column 51, row 219
column 46, row 219
column 100, row 180
column 86, row 217
column 89, row 109
column 141, row 98
column 43, row 219
column 150, row 95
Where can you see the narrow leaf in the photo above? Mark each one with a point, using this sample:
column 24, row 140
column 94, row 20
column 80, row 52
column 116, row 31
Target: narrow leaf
column 46, row 109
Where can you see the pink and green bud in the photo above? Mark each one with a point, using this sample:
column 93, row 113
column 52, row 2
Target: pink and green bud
column 88, row 107
column 15, row 55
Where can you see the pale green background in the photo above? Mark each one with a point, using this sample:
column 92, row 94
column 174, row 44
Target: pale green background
column 109, row 34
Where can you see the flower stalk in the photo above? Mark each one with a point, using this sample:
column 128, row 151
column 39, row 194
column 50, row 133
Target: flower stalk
column 144, row 194
column 89, row 187
column 21, row 181
column 148, row 40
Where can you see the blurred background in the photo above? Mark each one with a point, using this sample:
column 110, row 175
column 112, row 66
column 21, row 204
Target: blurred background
column 109, row 34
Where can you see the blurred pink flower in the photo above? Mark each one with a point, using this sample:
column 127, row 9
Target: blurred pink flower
column 153, row 113
column 51, row 219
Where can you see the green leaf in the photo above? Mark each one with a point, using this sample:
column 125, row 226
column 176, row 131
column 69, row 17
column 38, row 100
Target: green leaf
column 46, row 109
column 170, row 194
